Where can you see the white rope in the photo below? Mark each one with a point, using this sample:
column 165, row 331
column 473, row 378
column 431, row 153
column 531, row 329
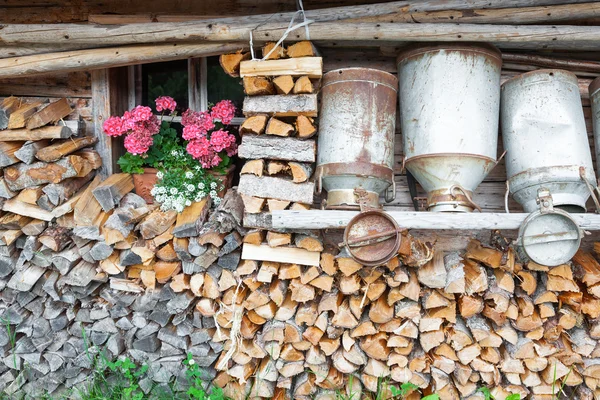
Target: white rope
column 291, row 27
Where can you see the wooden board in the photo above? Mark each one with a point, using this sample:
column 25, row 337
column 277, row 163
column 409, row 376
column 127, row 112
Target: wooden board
column 332, row 219
column 305, row 66
column 289, row 255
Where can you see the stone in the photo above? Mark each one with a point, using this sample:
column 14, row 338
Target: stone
column 149, row 344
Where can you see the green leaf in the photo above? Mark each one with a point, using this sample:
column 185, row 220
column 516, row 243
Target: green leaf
column 486, row 393
column 514, row 396
column 433, row 396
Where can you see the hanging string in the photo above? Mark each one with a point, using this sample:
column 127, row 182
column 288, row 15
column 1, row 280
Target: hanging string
column 291, row 27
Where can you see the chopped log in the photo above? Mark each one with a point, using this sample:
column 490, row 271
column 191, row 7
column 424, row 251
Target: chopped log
column 278, row 167
column 255, row 237
column 18, row 118
column 280, row 254
column 50, row 114
column 272, row 51
column 7, row 107
column 231, row 62
column 304, row 48
column 110, row 192
column 433, row 274
column 7, row 153
column 31, row 196
column 255, row 167
column 254, row 125
column 156, row 223
column 281, row 105
column 17, row 207
column 305, row 127
column 303, row 85
column 46, row 132
column 29, row 149
column 276, row 188
column 22, row 176
column 283, row 84
column 34, row 227
column 301, row 172
column 308, row 242
column 253, row 205
column 276, row 148
column 57, row 150
column 55, row 238
column 58, row 193
column 490, row 257
column 279, row 128
column 309, row 66
column 190, row 220
column 277, row 204
column 258, row 86
column 275, row 239
column 87, row 208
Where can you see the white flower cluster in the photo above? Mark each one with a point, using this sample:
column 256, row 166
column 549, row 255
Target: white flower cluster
column 186, row 192
column 159, row 175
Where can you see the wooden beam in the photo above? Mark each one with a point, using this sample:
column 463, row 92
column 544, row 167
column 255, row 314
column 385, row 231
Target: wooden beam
column 502, row 15
column 100, row 112
column 331, row 219
column 91, row 59
column 227, row 28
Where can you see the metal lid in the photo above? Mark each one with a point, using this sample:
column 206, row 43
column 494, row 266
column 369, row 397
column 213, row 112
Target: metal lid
column 543, row 75
column 480, row 48
column 549, row 238
column 357, row 74
column 372, row 238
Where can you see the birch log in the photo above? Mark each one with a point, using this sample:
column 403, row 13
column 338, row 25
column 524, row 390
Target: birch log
column 22, row 176
column 90, row 59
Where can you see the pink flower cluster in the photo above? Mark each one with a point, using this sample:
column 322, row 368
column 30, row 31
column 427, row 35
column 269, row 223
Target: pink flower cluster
column 223, row 110
column 139, row 124
column 204, row 144
column 164, row 103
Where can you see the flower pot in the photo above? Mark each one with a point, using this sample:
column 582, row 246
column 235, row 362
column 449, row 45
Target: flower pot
column 144, row 183
column 225, row 177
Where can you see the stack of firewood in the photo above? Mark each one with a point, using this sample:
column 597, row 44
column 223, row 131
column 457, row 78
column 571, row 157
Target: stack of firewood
column 277, row 135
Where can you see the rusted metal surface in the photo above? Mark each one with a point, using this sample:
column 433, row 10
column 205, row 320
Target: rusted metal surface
column 544, row 134
column 356, row 134
column 372, row 238
column 449, row 110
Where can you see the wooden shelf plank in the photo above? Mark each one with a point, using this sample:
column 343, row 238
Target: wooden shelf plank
column 332, row 219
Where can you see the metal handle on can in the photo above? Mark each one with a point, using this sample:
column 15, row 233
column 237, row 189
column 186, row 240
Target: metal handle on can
column 391, row 197
column 590, row 188
column 466, row 194
column 319, row 180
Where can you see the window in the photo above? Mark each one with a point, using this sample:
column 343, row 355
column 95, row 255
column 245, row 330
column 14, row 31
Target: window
column 193, row 83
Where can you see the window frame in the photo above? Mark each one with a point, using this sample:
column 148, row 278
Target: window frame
column 197, row 87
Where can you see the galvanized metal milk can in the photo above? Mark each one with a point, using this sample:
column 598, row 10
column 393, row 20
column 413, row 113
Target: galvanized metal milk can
column 356, row 136
column 546, row 142
column 449, row 110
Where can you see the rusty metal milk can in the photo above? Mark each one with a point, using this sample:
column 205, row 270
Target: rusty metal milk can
column 546, row 142
column 449, row 110
column 594, row 90
column 356, row 136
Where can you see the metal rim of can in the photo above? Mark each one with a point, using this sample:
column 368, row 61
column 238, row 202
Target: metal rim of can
column 387, row 79
column 557, row 212
column 486, row 49
column 548, row 71
column 381, row 260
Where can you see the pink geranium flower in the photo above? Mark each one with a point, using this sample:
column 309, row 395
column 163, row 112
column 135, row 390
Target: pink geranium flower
column 164, row 103
column 113, row 126
column 224, row 111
